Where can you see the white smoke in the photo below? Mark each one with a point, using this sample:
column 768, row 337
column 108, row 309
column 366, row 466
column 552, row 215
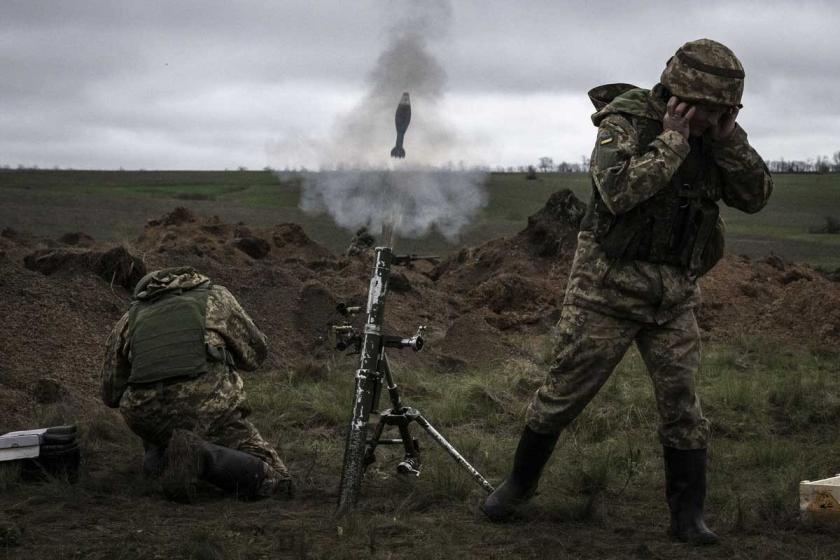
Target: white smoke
column 360, row 185
column 413, row 201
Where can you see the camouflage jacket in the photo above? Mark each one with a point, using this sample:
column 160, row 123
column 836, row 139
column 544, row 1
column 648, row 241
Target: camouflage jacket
column 227, row 325
column 625, row 175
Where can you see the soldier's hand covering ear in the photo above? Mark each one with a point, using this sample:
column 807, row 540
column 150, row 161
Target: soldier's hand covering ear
column 678, row 116
column 726, row 124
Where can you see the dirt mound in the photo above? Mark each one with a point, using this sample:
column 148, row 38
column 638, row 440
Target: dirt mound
column 16, row 406
column 521, row 278
column 293, row 242
column 545, row 246
column 177, row 217
column 471, row 340
column 254, row 247
column 507, row 292
column 60, row 302
column 116, row 265
column 555, row 226
column 783, row 300
column 198, row 239
column 50, row 261
column 120, row 267
column 52, row 334
column 314, row 314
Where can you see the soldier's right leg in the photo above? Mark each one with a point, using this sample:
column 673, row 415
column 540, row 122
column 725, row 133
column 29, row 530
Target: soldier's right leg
column 227, row 450
column 588, row 348
column 236, row 432
column 191, row 458
column 214, row 409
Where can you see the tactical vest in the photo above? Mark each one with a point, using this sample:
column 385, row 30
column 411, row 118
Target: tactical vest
column 166, row 336
column 680, row 225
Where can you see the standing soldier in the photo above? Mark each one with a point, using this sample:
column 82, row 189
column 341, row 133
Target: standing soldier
column 662, row 160
column 170, row 366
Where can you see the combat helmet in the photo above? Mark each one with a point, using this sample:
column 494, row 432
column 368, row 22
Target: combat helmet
column 705, row 71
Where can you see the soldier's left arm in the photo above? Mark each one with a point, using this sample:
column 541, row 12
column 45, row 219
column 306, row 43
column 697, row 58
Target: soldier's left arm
column 243, row 339
column 747, row 183
column 116, row 369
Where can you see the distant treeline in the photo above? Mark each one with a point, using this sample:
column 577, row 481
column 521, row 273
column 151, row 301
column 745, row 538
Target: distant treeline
column 819, row 164
column 546, row 165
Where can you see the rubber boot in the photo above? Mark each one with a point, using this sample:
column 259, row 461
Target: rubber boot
column 190, row 459
column 685, row 489
column 532, row 454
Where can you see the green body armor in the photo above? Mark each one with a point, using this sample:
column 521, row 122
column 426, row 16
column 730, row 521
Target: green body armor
column 166, row 336
column 680, row 225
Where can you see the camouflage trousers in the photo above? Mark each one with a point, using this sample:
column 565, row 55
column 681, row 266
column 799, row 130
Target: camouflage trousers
column 211, row 406
column 589, row 347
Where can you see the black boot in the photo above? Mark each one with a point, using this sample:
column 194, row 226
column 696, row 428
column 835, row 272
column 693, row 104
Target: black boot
column 685, row 489
column 190, row 459
column 233, row 471
column 532, row 453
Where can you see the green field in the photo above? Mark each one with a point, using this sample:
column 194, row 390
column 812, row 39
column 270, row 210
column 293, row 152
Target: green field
column 773, row 413
column 773, row 408
column 111, row 205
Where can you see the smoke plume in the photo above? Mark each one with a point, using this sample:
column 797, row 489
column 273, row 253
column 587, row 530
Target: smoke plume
column 360, row 185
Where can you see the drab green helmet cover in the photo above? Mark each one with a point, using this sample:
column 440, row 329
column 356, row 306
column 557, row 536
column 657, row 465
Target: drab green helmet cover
column 705, row 71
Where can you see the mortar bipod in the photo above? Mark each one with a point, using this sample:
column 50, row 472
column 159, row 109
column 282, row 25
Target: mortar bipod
column 402, row 416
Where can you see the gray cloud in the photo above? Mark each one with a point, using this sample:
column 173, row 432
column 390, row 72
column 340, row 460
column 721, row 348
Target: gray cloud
column 211, row 84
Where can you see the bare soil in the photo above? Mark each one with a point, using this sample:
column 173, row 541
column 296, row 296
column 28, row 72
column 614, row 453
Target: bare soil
column 61, row 297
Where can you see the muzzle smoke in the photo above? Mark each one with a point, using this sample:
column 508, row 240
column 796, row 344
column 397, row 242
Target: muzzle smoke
column 360, row 185
column 412, row 201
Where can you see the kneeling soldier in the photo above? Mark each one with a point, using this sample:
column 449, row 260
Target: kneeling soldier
column 170, row 367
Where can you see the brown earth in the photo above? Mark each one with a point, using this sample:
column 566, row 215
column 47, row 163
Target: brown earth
column 60, row 299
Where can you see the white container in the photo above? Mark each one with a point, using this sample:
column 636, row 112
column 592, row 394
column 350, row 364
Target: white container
column 819, row 500
column 25, row 444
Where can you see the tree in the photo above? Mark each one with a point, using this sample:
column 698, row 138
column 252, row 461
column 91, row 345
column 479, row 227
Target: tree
column 546, row 164
column 532, row 173
column 822, row 165
column 836, row 158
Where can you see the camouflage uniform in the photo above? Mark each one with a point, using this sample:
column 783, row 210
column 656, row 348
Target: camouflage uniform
column 212, row 405
column 611, row 303
column 651, row 229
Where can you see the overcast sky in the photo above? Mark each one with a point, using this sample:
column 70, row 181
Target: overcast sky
column 213, row 85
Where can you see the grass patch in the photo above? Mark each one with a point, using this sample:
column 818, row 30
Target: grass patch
column 10, row 475
column 601, row 494
column 202, row 544
column 798, row 204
